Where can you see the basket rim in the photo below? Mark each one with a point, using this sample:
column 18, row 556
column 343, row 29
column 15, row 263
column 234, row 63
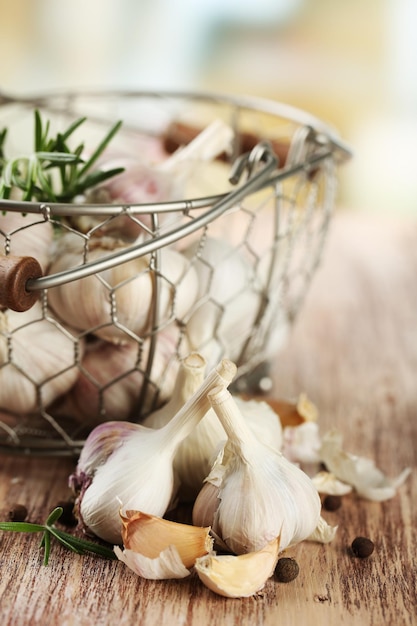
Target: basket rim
column 256, row 103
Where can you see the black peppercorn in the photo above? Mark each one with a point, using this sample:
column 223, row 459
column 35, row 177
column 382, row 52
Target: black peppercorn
column 362, row 547
column 332, row 503
column 18, row 513
column 286, row 570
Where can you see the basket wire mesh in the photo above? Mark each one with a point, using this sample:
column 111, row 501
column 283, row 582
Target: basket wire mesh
column 249, row 228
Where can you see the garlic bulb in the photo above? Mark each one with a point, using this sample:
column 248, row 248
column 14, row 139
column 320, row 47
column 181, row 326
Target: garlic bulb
column 38, row 360
column 138, row 473
column 229, row 299
column 157, row 548
column 26, row 235
column 238, row 576
column 260, row 493
column 162, row 180
column 196, row 453
column 112, row 376
column 117, row 302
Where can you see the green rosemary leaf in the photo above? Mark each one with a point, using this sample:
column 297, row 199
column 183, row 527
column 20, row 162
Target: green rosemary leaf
column 88, row 546
column 72, row 128
column 22, row 527
column 46, row 541
column 38, row 132
column 67, row 543
column 58, row 157
column 54, row 516
column 94, row 178
column 101, row 147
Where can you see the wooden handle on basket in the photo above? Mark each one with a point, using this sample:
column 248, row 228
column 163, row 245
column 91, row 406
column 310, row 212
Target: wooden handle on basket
column 15, row 271
column 179, row 134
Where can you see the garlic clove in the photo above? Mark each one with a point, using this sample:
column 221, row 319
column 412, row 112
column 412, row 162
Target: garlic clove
column 150, row 535
column 238, row 576
column 166, row 565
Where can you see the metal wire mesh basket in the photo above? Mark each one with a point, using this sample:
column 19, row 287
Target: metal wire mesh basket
column 212, row 255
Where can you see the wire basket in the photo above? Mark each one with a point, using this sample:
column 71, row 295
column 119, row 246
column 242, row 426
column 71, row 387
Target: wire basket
column 104, row 296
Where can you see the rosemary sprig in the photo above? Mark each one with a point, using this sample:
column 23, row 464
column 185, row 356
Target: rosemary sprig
column 53, row 172
column 49, row 530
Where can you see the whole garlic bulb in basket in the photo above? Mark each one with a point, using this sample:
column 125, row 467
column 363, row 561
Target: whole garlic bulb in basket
column 26, row 235
column 119, row 301
column 112, row 376
column 37, row 358
column 229, row 298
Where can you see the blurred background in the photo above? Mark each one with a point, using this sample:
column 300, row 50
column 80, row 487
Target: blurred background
column 353, row 64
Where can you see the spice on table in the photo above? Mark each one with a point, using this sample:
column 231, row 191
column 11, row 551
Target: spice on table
column 286, row 570
column 18, row 513
column 332, row 503
column 362, row 547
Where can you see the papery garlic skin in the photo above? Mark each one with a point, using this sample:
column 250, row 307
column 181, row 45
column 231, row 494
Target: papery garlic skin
column 238, row 576
column 327, row 483
column 167, row 565
column 261, row 494
column 139, row 474
column 301, row 444
column 323, row 533
column 38, row 358
column 360, row 472
column 118, row 303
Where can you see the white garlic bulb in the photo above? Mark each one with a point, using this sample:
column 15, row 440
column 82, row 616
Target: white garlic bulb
column 26, row 235
column 136, row 471
column 196, row 453
column 111, row 379
column 119, row 301
column 38, row 360
column 260, row 494
column 229, row 298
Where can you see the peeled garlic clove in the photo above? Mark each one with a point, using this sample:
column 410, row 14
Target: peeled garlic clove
column 238, row 576
column 150, row 535
column 166, row 565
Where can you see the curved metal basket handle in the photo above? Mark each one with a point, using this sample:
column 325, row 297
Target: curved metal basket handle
column 259, row 179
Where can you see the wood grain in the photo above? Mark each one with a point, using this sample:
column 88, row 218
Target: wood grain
column 353, row 350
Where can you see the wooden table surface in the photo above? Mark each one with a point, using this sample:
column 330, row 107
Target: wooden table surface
column 353, row 350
